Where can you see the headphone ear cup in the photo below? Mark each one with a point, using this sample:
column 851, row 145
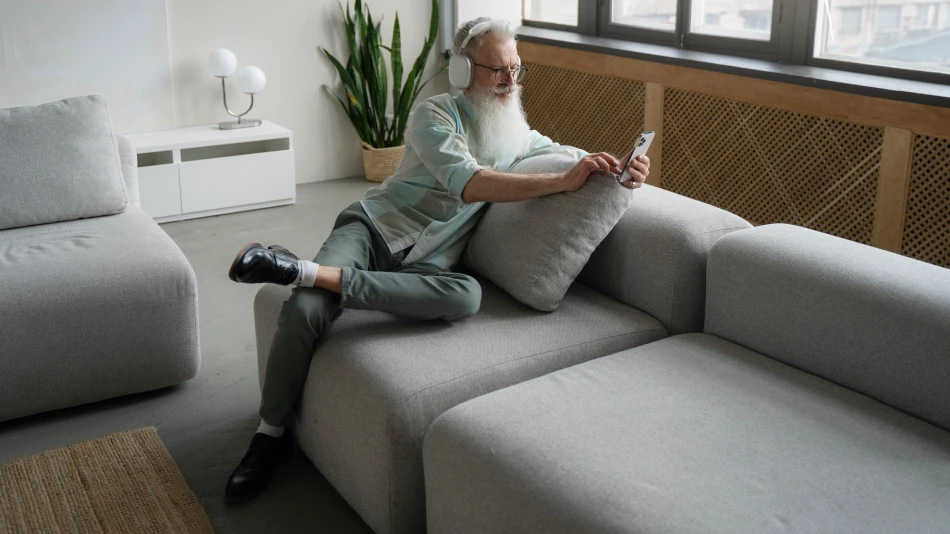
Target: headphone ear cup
column 461, row 71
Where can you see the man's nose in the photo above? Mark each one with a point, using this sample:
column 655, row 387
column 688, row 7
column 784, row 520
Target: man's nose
column 509, row 78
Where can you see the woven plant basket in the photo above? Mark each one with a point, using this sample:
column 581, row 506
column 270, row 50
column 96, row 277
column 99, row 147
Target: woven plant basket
column 381, row 163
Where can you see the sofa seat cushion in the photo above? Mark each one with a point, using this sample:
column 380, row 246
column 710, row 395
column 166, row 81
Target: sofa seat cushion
column 377, row 381
column 688, row 434
column 93, row 309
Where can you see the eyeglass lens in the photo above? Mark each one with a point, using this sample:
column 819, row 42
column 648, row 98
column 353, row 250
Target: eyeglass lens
column 517, row 74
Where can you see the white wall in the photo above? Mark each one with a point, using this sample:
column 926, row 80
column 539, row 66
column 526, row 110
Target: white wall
column 55, row 49
column 282, row 38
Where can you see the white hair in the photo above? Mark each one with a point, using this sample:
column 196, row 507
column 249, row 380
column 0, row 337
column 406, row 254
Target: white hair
column 482, row 26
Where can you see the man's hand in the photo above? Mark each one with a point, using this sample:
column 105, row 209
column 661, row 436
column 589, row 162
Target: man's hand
column 602, row 161
column 638, row 169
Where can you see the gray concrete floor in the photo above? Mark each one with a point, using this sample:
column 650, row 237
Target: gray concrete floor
column 207, row 422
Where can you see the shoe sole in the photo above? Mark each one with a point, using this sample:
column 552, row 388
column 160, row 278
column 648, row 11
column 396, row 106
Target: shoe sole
column 237, row 258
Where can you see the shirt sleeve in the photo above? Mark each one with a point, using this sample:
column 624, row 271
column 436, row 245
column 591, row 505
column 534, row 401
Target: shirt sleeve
column 538, row 142
column 432, row 134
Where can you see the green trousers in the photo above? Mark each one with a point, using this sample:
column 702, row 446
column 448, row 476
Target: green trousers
column 373, row 279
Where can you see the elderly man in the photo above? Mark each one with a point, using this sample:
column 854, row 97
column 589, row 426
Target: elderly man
column 396, row 250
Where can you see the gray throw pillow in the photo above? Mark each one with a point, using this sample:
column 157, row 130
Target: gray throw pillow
column 58, row 162
column 536, row 248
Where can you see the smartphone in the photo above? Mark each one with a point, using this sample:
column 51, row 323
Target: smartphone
column 639, row 149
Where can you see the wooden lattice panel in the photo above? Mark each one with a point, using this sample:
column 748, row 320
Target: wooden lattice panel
column 595, row 113
column 927, row 223
column 769, row 165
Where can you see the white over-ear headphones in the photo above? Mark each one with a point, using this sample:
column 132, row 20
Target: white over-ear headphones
column 461, row 65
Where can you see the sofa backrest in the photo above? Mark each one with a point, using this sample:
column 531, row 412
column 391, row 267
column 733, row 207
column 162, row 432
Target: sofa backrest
column 872, row 321
column 59, row 162
column 655, row 257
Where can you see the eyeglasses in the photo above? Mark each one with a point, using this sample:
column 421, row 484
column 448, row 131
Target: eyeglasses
column 501, row 73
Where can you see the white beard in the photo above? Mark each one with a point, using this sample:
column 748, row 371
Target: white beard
column 502, row 130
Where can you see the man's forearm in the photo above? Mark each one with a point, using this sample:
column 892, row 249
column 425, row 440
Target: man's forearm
column 487, row 185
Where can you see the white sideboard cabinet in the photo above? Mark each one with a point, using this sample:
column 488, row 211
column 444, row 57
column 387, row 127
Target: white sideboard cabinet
column 203, row 170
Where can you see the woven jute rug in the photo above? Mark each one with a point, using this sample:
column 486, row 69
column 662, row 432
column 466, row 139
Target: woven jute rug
column 125, row 482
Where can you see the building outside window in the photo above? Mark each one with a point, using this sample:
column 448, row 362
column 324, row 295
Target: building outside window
column 888, row 18
column 851, row 20
column 926, row 16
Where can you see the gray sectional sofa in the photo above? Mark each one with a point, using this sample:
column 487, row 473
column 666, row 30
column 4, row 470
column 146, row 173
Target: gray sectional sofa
column 816, row 399
column 377, row 382
column 96, row 301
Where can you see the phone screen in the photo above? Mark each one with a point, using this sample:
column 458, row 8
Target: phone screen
column 641, row 147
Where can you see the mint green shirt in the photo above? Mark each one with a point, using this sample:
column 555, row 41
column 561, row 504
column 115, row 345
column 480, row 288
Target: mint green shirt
column 421, row 205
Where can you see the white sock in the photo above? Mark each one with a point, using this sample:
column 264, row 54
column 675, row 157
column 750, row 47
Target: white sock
column 308, row 273
column 270, row 430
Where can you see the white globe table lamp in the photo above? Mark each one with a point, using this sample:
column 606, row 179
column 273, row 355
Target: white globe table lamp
column 250, row 80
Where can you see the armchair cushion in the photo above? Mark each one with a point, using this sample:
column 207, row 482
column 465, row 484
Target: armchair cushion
column 59, row 162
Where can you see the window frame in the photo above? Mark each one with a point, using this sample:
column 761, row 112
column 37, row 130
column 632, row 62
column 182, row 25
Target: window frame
column 792, row 40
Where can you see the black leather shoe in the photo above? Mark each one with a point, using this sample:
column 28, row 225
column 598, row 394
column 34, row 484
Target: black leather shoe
column 254, row 472
column 282, row 249
column 255, row 264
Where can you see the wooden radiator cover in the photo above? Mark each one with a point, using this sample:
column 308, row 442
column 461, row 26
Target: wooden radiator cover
column 769, row 165
column 594, row 113
column 764, row 164
column 927, row 223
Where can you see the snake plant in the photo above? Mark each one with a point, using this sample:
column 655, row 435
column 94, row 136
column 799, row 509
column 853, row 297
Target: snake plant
column 365, row 76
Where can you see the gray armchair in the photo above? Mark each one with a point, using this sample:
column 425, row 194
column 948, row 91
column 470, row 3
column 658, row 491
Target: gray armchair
column 96, row 301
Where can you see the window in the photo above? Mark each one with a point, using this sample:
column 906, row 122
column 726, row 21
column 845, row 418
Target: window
column 655, row 14
column 749, row 19
column 714, row 25
column 897, row 35
column 850, row 19
column 908, row 39
column 563, row 12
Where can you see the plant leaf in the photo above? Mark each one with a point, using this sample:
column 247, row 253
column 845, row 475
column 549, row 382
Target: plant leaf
column 395, row 58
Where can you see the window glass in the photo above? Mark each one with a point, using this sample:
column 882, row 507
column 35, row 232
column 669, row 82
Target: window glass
column 554, row 11
column 901, row 33
column 851, row 19
column 745, row 19
column 652, row 14
column 925, row 16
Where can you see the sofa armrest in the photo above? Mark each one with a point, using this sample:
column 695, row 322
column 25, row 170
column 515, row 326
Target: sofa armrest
column 655, row 257
column 130, row 166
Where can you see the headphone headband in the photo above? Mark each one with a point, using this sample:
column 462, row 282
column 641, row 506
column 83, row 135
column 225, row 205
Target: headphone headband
column 477, row 29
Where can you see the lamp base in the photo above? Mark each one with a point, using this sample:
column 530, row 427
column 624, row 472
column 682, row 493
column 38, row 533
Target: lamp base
column 233, row 125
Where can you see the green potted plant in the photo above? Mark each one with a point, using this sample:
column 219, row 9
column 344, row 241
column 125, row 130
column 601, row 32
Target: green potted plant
column 365, row 91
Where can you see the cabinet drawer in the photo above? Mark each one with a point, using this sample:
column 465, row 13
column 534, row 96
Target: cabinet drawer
column 209, row 184
column 159, row 191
